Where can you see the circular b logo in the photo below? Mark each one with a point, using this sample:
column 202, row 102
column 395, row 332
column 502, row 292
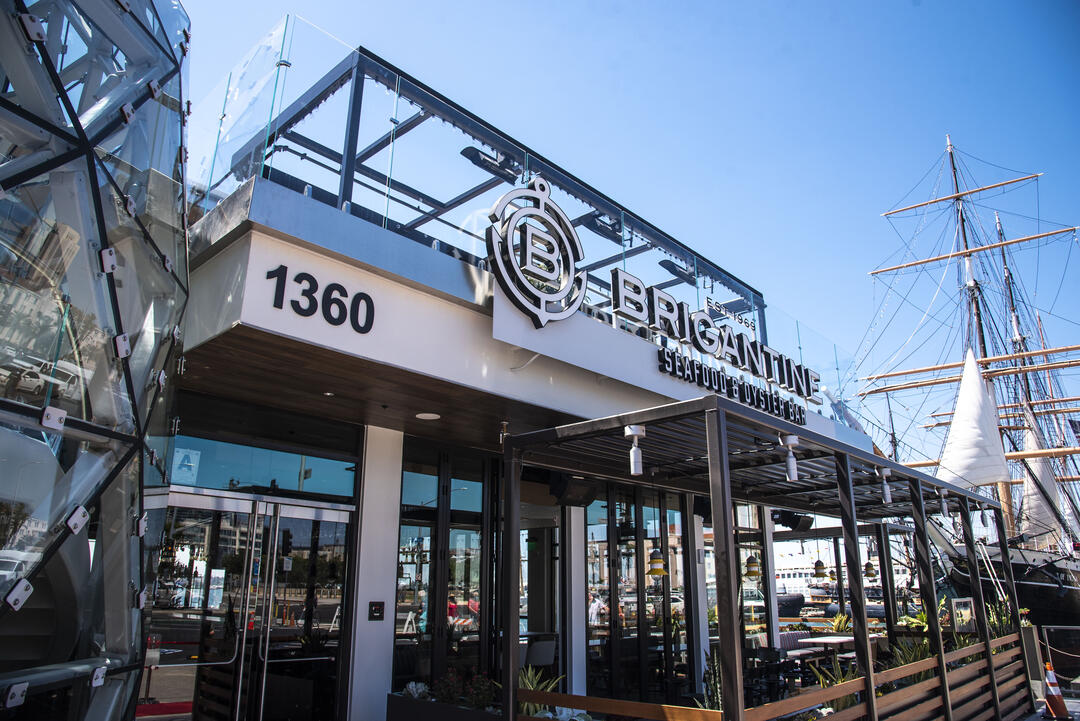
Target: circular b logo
column 535, row 250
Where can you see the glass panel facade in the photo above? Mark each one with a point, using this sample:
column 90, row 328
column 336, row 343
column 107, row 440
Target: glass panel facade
column 82, row 333
column 229, row 466
column 597, row 579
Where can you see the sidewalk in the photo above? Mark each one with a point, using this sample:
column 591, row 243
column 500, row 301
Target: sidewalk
column 1072, row 704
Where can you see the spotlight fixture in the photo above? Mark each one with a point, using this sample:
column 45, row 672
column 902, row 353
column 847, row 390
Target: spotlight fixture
column 753, row 567
column 792, row 520
column 500, row 166
column 428, row 416
column 636, row 433
column 790, row 442
column 656, row 564
column 819, row 570
column 869, row 571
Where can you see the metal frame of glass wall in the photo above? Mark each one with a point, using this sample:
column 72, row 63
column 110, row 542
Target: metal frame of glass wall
column 93, row 285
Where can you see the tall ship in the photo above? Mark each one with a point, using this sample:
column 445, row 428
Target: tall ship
column 961, row 373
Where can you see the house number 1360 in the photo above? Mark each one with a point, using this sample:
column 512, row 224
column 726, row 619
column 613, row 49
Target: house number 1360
column 335, row 303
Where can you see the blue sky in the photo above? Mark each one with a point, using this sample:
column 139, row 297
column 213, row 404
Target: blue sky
column 767, row 135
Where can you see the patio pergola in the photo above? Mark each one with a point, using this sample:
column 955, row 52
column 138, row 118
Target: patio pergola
column 728, row 452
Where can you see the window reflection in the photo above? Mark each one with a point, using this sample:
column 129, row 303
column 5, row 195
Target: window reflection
column 216, row 464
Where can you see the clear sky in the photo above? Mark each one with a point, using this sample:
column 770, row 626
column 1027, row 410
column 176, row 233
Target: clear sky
column 767, row 135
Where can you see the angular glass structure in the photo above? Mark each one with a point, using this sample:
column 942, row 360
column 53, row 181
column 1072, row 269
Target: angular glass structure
column 93, row 284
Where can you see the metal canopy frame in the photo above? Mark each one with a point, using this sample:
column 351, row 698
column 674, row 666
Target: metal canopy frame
column 728, row 452
column 512, row 158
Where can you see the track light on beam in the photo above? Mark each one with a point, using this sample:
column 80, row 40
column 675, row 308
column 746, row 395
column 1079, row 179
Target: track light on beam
column 635, row 433
column 792, row 467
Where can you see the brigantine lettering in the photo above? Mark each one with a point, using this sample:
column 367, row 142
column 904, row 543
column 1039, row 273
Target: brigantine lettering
column 691, row 370
column 632, row 300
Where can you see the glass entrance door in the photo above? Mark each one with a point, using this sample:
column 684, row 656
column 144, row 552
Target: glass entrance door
column 636, row 629
column 248, row 609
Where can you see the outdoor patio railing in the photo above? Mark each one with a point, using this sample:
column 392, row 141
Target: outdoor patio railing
column 898, row 696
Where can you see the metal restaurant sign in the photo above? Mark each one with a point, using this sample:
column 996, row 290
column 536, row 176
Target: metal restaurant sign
column 540, row 277
column 535, row 250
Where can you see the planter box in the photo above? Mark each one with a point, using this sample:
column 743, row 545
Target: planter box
column 403, row 708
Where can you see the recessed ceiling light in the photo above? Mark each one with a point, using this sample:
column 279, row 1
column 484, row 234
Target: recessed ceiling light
column 328, row 394
column 428, row 416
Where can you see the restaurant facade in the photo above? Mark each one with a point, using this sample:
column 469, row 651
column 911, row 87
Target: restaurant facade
column 439, row 410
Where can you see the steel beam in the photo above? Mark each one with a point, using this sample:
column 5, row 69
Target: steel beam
column 352, row 130
column 449, row 205
column 888, row 588
column 1010, row 588
column 725, row 555
column 977, row 600
column 391, row 135
column 511, row 569
column 928, row 590
column 838, row 563
column 849, row 522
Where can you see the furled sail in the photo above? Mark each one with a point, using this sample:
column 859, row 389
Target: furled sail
column 973, row 454
column 1037, row 519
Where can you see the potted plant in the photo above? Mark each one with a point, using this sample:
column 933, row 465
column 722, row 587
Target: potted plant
column 451, row 697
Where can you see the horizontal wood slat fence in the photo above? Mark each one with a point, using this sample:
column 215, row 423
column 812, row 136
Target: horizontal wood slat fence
column 900, row 697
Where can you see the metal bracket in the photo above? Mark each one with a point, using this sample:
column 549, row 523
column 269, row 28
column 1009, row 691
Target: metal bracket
column 52, row 417
column 167, row 262
column 16, row 694
column 123, row 345
column 152, row 454
column 129, row 206
column 176, row 333
column 78, row 519
column 31, row 25
column 124, row 5
column 155, row 89
column 174, row 425
column 98, row 677
column 159, row 379
column 140, row 599
column 128, row 111
column 17, row 596
column 181, row 365
column 140, row 525
column 108, row 260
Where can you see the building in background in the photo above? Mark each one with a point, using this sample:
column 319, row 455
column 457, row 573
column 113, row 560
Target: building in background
column 93, row 286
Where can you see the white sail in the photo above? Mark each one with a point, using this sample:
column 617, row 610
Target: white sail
column 973, row 454
column 1036, row 517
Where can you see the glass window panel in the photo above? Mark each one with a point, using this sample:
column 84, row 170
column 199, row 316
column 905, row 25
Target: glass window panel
column 598, row 626
column 216, row 464
column 466, row 484
column 676, row 579
column 55, row 316
column 628, row 656
column 412, row 634
column 463, row 599
column 654, row 614
column 420, row 477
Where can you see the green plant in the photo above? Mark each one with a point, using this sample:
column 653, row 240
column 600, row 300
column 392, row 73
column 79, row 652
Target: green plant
column 800, row 626
column 999, row 619
column 532, row 678
column 841, row 623
column 834, row 677
column 713, row 694
column 909, row 651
